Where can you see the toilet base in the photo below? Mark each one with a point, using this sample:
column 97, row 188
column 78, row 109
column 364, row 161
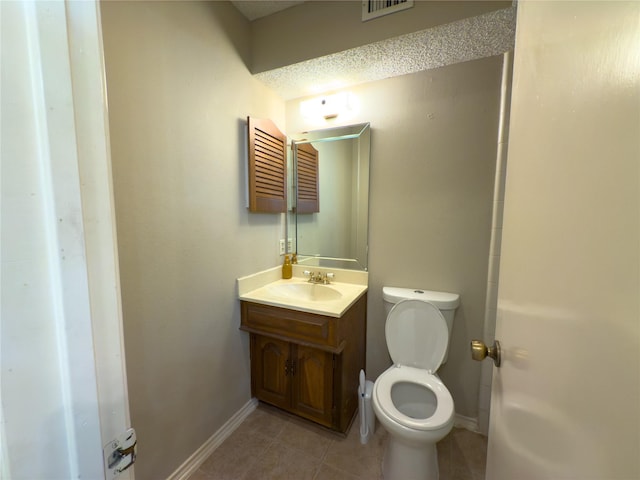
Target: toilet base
column 403, row 461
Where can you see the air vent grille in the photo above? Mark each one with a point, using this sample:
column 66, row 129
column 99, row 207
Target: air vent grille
column 376, row 8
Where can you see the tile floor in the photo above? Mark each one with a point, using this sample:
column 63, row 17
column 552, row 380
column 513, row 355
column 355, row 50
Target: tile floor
column 272, row 445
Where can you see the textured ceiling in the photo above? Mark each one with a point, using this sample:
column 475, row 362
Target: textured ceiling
column 477, row 37
column 257, row 9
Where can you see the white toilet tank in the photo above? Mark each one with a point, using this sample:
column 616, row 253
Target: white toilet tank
column 446, row 302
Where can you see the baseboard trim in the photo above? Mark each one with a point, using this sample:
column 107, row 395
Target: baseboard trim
column 192, row 463
column 468, row 423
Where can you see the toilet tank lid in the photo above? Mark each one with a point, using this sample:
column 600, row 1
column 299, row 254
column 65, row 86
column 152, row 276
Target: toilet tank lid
column 442, row 300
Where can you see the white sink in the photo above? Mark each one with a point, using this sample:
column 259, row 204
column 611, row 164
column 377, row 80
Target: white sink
column 268, row 288
column 308, row 292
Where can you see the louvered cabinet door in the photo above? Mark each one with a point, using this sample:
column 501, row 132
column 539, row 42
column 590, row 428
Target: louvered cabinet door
column 307, row 165
column 267, row 167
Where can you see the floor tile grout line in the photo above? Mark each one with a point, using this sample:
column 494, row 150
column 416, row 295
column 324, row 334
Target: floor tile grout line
column 322, row 457
column 318, row 470
column 272, row 441
column 326, row 450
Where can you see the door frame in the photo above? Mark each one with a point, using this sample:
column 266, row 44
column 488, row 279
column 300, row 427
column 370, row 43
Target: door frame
column 64, row 388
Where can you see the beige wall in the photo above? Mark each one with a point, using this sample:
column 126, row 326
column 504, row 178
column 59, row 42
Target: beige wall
column 310, row 30
column 433, row 155
column 178, row 96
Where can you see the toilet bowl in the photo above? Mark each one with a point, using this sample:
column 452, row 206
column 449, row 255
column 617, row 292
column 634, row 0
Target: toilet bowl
column 409, row 399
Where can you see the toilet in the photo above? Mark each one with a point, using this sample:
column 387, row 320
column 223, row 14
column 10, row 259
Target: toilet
column 409, row 399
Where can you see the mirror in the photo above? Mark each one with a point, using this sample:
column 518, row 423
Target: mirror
column 335, row 234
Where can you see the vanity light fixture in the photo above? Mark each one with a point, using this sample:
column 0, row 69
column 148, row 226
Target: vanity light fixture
column 328, row 106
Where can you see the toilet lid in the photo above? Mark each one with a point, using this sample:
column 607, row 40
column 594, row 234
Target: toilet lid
column 417, row 335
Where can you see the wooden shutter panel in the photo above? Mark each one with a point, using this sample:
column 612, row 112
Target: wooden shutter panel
column 308, row 200
column 267, row 167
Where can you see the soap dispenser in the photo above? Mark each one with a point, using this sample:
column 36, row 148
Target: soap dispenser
column 287, row 271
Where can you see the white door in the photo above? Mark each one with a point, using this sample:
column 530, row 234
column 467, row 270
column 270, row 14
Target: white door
column 566, row 400
column 63, row 382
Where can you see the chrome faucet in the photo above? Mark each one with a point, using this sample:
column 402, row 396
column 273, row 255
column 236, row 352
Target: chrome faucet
column 319, row 277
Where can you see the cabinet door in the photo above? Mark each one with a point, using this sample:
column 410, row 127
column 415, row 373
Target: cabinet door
column 267, row 167
column 312, row 395
column 270, row 372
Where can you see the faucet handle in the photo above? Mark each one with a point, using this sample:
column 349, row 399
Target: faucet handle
column 328, row 277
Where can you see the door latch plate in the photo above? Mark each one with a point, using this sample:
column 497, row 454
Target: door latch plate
column 120, row 454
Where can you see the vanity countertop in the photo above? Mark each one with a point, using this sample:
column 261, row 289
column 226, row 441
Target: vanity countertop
column 268, row 288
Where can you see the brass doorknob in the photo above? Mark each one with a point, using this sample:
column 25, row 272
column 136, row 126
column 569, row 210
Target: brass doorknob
column 479, row 351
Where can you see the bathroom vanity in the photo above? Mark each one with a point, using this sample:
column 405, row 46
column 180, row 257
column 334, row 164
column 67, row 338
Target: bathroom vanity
column 306, row 355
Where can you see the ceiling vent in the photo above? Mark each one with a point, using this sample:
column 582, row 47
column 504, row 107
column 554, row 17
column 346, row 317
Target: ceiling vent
column 376, row 8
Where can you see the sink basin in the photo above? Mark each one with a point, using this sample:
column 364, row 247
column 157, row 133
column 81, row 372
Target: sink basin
column 309, row 292
column 332, row 300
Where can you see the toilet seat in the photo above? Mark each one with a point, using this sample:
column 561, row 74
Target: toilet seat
column 444, row 406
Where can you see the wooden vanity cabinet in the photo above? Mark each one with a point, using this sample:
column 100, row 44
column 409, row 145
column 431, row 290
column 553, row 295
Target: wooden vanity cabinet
column 307, row 364
column 293, row 377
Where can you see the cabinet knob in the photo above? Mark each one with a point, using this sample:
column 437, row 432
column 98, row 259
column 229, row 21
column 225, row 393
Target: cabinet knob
column 289, row 368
